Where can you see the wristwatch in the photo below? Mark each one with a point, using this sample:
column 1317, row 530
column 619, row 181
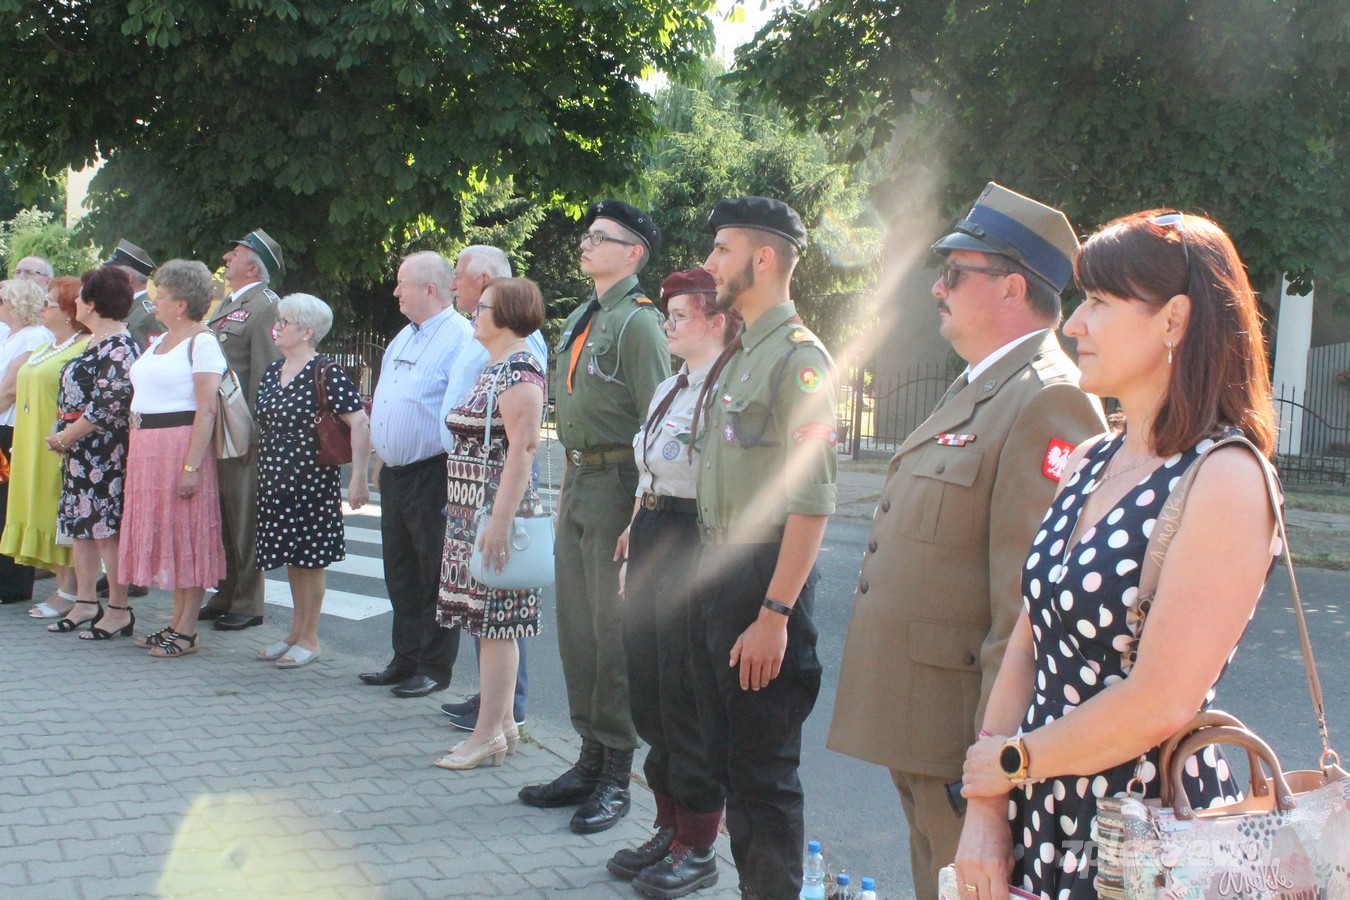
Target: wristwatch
column 774, row 606
column 1013, row 760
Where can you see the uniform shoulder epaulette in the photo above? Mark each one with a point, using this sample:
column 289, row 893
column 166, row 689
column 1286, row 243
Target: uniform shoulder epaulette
column 1054, row 367
column 800, row 334
column 271, row 295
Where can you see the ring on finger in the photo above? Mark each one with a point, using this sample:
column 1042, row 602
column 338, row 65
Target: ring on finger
column 971, row 887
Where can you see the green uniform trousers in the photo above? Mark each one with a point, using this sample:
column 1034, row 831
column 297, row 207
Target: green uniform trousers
column 593, row 510
column 934, row 827
column 242, row 590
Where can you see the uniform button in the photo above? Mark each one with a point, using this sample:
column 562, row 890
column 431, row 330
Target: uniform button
column 707, row 465
column 942, row 467
column 872, row 545
column 862, row 588
column 885, row 505
column 970, row 659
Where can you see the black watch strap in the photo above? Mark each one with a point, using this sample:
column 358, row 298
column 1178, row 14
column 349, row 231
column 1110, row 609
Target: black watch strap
column 781, row 608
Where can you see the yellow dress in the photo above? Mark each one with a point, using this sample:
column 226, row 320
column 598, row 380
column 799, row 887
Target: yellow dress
column 35, row 471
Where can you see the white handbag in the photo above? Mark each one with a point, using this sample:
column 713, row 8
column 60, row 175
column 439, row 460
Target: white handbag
column 529, row 565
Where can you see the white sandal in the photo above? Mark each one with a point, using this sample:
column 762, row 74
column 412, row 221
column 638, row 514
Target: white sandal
column 274, row 652
column 296, row 657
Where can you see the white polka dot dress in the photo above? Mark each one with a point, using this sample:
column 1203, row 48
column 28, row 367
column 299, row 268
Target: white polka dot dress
column 1084, row 626
column 299, row 501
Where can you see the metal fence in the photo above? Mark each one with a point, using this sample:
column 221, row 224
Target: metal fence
column 359, row 354
column 876, row 416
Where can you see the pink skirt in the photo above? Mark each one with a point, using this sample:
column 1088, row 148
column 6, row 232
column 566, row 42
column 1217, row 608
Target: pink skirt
column 168, row 541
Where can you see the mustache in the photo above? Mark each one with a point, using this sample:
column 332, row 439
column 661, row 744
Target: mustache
column 943, row 307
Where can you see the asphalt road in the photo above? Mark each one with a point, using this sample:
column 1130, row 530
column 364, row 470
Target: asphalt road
column 852, row 807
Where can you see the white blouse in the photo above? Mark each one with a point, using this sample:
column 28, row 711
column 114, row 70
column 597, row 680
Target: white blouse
column 163, row 383
column 16, row 344
column 663, row 459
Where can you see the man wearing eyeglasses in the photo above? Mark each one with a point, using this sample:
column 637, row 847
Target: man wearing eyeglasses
column 35, row 269
column 243, row 325
column 940, row 586
column 604, row 370
column 435, row 349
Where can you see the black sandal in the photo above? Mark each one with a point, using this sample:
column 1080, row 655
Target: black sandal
column 98, row 634
column 169, row 647
column 66, row 624
column 154, row 639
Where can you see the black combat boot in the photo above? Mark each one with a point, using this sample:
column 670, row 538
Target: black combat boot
column 609, row 801
column 573, row 786
column 627, row 863
column 685, row 870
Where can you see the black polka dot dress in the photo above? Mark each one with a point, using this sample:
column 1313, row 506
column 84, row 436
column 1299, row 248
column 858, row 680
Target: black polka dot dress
column 1085, row 625
column 299, row 501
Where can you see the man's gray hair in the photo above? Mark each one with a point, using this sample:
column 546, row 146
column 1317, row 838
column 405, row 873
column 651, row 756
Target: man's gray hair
column 482, row 259
column 263, row 275
column 429, row 267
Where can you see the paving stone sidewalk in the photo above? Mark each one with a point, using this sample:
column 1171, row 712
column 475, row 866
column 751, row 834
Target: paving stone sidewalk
column 217, row 775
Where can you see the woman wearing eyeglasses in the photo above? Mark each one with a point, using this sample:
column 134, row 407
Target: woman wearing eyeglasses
column 1093, row 679
column 35, row 472
column 171, row 534
column 496, row 477
column 21, row 304
column 299, row 500
column 659, row 545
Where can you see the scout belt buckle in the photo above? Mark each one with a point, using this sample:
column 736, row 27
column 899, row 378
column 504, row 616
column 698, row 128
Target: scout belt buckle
column 575, row 457
column 649, row 501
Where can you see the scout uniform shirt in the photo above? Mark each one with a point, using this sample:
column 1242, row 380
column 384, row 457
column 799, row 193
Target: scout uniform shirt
column 613, row 372
column 769, row 446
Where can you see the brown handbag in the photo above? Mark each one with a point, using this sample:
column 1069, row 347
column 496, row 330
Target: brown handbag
column 335, row 435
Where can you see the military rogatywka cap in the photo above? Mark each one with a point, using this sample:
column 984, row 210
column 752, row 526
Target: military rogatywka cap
column 133, row 257
column 1005, row 223
column 762, row 213
column 630, row 217
column 268, row 250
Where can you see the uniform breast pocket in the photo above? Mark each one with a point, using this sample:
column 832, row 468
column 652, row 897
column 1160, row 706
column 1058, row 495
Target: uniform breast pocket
column 940, row 504
column 600, row 353
column 747, row 421
column 230, row 330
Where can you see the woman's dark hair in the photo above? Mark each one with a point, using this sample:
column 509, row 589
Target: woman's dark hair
column 1219, row 376
column 108, row 291
column 703, row 305
column 66, row 289
column 517, row 305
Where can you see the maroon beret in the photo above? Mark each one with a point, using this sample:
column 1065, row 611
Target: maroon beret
column 694, row 281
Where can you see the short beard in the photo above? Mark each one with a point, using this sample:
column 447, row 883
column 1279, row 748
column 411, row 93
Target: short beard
column 733, row 287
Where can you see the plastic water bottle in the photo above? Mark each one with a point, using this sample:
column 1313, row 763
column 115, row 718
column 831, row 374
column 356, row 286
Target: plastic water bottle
column 841, row 889
column 869, row 890
column 813, row 873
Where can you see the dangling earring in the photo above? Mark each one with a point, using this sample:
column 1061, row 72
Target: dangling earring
column 1169, row 353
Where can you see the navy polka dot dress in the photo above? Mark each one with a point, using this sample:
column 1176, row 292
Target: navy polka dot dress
column 1085, row 626
column 299, row 501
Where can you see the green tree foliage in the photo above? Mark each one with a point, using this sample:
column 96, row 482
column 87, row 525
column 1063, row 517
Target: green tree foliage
column 33, row 233
column 1236, row 108
column 349, row 130
column 718, row 147
column 47, row 194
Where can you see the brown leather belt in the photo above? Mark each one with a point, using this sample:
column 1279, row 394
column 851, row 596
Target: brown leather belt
column 743, row 534
column 683, row 505
column 604, row 457
column 69, row 416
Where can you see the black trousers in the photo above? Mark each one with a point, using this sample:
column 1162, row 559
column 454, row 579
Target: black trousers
column 658, row 614
column 412, row 529
column 16, row 581
column 754, row 738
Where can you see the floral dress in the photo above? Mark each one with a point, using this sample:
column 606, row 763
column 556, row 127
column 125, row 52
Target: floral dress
column 1085, row 626
column 480, row 610
column 96, row 385
column 299, row 501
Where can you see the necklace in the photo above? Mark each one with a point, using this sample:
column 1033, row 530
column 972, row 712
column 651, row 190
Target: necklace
column 1107, row 476
column 38, row 359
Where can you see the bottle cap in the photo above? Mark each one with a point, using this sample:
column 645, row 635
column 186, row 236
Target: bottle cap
column 813, row 846
column 868, row 884
column 841, row 879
